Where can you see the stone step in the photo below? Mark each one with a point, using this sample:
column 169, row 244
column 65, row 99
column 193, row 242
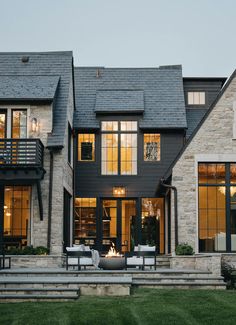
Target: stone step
column 35, row 297
column 184, row 285
column 40, row 291
column 181, row 280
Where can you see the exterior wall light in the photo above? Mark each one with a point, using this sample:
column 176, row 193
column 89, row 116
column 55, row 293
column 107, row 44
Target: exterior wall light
column 34, row 125
column 119, row 191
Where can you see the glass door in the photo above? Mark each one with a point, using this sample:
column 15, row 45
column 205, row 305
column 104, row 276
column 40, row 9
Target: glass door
column 119, row 224
column 3, row 124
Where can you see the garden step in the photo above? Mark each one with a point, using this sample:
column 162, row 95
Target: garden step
column 35, row 297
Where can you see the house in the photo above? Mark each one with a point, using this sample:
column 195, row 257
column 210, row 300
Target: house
column 87, row 154
column 36, row 146
column 204, row 176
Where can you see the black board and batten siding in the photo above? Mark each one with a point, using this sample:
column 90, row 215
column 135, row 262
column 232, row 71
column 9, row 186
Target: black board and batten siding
column 90, row 183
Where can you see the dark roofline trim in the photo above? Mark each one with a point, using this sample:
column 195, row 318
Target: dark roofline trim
column 26, row 100
column 119, row 111
column 37, row 53
column 226, row 85
column 205, row 78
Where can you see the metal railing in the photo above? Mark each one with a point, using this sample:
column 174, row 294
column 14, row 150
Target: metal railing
column 21, row 152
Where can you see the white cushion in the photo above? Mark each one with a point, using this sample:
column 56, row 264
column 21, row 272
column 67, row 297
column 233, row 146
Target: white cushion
column 87, row 248
column 73, row 249
column 83, row 261
column 80, row 247
column 135, row 248
column 150, row 261
column 146, row 248
column 134, row 260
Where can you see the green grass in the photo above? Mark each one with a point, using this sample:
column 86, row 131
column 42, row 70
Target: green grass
column 145, row 306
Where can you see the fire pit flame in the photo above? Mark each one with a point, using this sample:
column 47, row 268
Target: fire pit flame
column 112, row 252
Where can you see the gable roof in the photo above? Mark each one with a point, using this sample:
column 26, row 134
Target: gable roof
column 162, row 89
column 28, row 87
column 60, row 64
column 115, row 101
column 188, row 142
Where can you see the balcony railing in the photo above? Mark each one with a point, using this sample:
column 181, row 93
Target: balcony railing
column 21, row 153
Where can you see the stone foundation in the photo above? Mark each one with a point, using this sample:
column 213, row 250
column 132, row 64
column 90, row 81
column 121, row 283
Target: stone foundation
column 47, row 261
column 211, row 263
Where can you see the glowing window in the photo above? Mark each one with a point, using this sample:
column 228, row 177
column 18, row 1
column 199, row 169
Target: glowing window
column 86, row 147
column 152, row 149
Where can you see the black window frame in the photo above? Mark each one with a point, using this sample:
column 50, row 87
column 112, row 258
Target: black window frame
column 228, row 184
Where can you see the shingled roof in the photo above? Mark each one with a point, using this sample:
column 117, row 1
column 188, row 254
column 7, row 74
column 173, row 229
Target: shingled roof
column 162, row 90
column 28, row 87
column 41, row 65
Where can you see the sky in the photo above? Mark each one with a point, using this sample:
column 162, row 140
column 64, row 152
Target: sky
column 198, row 34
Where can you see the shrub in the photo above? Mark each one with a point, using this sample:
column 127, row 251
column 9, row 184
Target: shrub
column 184, row 249
column 28, row 250
column 226, row 272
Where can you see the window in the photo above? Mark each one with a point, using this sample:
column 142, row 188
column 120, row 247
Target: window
column 196, row 98
column 119, row 147
column 86, row 147
column 19, row 124
column 217, row 207
column 85, row 219
column 17, row 204
column 152, row 149
column 70, row 144
column 3, row 121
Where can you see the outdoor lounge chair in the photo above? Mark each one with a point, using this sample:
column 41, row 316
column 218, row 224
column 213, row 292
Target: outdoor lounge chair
column 142, row 256
column 78, row 258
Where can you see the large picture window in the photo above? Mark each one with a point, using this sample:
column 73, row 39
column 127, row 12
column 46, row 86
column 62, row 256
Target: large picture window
column 119, row 147
column 217, row 207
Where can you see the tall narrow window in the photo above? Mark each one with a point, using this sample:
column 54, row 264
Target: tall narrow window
column 152, row 148
column 3, row 116
column 85, row 220
column 70, row 144
column 17, row 215
column 86, row 147
column 19, row 124
column 212, row 207
column 119, row 147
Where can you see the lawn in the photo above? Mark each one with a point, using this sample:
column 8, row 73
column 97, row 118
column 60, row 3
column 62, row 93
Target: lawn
column 145, row 306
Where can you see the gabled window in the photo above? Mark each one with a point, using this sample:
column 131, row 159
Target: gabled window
column 119, row 147
column 196, row 98
column 86, row 147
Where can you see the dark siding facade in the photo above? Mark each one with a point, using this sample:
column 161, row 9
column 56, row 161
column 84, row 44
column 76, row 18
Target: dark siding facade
column 211, row 87
column 90, row 183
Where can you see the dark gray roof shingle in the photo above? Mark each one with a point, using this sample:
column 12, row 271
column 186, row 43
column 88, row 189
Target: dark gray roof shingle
column 119, row 101
column 162, row 87
column 45, row 64
column 28, row 87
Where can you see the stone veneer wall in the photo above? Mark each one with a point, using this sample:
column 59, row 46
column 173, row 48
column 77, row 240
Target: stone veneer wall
column 62, row 178
column 214, row 140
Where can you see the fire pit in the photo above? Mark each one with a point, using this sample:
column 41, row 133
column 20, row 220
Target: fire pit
column 113, row 260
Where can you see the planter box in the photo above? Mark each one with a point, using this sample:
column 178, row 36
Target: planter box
column 50, row 261
column 211, row 263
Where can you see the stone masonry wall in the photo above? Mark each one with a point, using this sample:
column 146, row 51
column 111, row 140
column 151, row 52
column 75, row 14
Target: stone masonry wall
column 215, row 137
column 62, row 178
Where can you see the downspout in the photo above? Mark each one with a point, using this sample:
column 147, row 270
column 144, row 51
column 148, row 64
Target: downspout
column 50, row 200
column 174, row 189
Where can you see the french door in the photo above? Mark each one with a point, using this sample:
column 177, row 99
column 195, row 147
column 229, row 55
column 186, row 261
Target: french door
column 118, row 224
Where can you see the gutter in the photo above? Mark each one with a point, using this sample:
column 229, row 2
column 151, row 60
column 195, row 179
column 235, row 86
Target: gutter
column 174, row 189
